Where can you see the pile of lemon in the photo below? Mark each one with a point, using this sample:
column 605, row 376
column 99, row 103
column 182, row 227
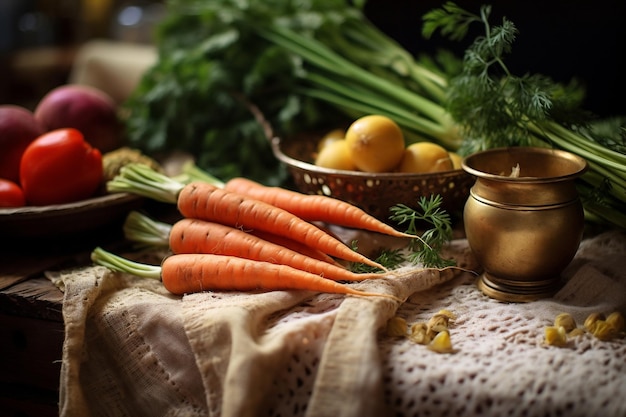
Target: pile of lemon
column 375, row 143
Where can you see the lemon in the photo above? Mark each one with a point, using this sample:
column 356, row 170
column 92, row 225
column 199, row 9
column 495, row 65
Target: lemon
column 376, row 143
column 335, row 155
column 425, row 157
column 331, row 136
column 456, row 160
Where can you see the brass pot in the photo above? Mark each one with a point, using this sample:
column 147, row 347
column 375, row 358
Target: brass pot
column 524, row 229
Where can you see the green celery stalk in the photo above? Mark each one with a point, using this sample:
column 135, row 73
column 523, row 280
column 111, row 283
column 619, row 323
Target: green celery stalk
column 338, row 71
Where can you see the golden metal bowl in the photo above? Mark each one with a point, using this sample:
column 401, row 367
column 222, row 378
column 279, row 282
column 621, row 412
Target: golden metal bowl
column 523, row 229
column 374, row 193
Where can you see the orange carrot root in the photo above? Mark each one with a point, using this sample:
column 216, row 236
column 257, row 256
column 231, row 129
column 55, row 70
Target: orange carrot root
column 207, row 202
column 296, row 246
column 313, row 207
column 188, row 273
column 200, row 236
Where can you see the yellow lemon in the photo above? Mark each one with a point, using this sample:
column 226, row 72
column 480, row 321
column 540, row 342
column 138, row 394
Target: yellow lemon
column 332, row 136
column 456, row 160
column 425, row 157
column 376, row 143
column 335, row 155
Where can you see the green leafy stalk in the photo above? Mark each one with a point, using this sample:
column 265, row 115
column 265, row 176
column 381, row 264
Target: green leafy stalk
column 142, row 180
column 117, row 263
column 145, row 231
column 356, row 100
column 598, row 201
column 577, row 143
column 318, row 54
column 426, row 248
column 352, row 87
column 363, row 43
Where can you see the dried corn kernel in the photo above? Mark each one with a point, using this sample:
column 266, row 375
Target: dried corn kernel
column 591, row 320
column 419, row 333
column 421, row 338
column 576, row 332
column 566, row 320
column 603, row 330
column 396, row 326
column 450, row 315
column 441, row 343
column 419, row 327
column 437, row 324
column 555, row 336
column 616, row 320
column 440, row 322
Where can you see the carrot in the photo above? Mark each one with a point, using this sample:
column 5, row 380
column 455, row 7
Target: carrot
column 313, row 207
column 308, row 207
column 192, row 273
column 147, row 232
column 295, row 246
column 199, row 236
column 204, row 201
column 189, row 273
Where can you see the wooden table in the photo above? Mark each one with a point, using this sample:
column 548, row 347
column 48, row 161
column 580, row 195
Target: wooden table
column 31, row 322
column 32, row 333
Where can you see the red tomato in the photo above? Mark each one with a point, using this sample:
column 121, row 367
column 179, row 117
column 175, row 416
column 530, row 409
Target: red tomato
column 60, row 167
column 11, row 195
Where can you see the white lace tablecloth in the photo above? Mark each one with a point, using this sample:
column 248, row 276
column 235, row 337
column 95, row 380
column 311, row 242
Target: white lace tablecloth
column 132, row 349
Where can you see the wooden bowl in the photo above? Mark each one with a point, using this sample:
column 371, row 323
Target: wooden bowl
column 62, row 221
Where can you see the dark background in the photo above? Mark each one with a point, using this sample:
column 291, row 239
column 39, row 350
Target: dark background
column 558, row 38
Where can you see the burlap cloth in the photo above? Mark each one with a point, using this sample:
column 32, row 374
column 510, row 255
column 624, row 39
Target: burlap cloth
column 132, row 349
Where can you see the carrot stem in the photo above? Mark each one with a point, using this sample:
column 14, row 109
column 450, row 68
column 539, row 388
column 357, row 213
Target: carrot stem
column 142, row 180
column 120, row 264
column 146, row 231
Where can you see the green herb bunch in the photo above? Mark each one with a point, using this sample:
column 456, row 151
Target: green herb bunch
column 494, row 107
column 212, row 70
column 432, row 227
column 426, row 248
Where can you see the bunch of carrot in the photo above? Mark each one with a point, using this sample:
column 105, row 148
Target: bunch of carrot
column 247, row 239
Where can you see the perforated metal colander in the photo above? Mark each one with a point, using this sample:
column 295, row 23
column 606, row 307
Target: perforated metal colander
column 374, row 193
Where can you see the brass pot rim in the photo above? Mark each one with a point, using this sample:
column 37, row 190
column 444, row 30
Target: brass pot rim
column 579, row 164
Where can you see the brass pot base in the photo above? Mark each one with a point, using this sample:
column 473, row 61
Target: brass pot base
column 506, row 290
